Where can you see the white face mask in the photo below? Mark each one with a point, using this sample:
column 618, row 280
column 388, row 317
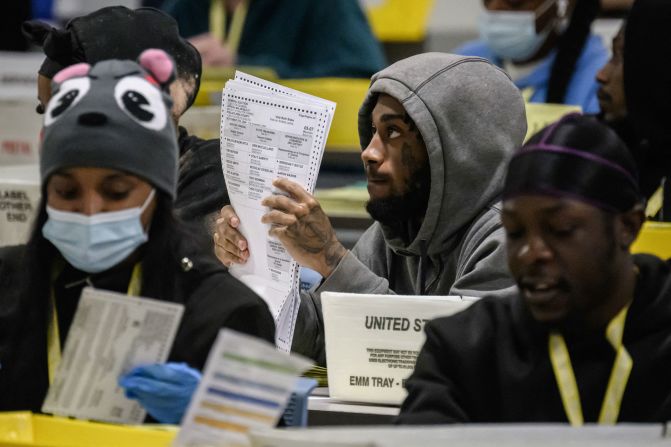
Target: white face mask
column 96, row 243
column 512, row 35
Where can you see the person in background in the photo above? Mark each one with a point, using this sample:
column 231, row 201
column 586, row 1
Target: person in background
column 296, row 38
column 108, row 167
column 117, row 32
column 648, row 99
column 614, row 113
column 588, row 336
column 546, row 46
column 434, row 146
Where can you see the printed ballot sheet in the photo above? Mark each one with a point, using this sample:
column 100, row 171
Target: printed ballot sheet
column 269, row 131
column 246, row 385
column 110, row 334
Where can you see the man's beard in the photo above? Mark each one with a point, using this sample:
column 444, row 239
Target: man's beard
column 407, row 206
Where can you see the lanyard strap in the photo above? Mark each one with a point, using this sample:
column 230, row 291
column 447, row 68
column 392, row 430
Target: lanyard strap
column 619, row 376
column 53, row 333
column 527, row 93
column 218, row 23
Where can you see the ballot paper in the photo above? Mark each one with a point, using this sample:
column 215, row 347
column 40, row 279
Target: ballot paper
column 110, row 334
column 269, row 131
column 246, row 385
column 372, row 341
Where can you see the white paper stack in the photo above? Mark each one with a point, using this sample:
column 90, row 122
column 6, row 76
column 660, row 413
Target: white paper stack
column 269, row 131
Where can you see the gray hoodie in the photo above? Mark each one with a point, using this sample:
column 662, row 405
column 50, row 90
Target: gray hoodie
column 471, row 118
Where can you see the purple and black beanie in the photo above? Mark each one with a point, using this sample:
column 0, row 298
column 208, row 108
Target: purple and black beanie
column 579, row 158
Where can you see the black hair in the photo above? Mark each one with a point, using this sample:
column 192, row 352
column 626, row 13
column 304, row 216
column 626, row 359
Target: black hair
column 25, row 329
column 569, row 48
column 188, row 65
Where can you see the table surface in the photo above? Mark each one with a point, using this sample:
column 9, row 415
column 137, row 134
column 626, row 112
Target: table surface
column 511, row 435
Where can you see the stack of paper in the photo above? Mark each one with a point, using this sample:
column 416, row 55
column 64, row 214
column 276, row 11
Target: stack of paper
column 246, row 385
column 270, row 131
column 319, row 374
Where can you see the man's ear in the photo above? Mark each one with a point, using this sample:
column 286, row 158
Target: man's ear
column 630, row 223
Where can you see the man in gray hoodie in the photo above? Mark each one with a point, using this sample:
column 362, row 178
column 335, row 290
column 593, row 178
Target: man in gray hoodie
column 436, row 132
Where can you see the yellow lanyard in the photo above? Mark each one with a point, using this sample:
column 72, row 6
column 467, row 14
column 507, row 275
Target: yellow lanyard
column 568, row 387
column 655, row 203
column 527, row 93
column 218, row 23
column 53, row 334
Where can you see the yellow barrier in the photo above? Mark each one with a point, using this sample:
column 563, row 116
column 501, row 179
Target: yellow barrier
column 654, row 238
column 540, row 115
column 347, row 93
column 26, row 429
column 399, row 20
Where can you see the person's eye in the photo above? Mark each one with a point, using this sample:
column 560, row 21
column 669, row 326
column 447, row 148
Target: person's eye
column 66, row 193
column 563, row 231
column 393, row 132
column 514, row 233
column 114, row 194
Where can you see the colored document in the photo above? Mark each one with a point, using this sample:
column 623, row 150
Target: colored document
column 269, row 131
column 110, row 334
column 246, row 385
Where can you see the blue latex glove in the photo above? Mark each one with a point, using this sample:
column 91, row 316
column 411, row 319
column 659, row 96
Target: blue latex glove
column 163, row 389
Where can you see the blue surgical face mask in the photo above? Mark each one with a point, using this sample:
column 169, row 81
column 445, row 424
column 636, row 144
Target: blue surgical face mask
column 95, row 243
column 512, row 35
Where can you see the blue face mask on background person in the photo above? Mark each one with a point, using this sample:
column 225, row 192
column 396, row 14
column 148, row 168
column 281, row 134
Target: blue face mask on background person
column 95, row 243
column 512, row 35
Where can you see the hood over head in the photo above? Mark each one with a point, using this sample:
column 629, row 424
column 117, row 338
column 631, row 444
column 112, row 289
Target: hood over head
column 471, row 118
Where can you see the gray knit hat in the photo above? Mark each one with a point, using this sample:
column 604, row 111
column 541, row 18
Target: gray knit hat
column 114, row 114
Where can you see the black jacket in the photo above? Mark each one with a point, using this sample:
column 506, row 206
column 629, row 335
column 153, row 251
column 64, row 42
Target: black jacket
column 201, row 188
column 490, row 363
column 212, row 298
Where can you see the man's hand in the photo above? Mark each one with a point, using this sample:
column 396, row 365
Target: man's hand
column 299, row 222
column 229, row 244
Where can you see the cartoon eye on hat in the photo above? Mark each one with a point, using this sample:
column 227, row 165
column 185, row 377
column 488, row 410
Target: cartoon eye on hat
column 141, row 101
column 72, row 89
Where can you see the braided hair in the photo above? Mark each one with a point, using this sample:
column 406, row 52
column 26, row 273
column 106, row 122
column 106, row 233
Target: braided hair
column 569, row 48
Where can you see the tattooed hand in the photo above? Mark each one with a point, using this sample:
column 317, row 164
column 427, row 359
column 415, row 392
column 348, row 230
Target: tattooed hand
column 299, row 222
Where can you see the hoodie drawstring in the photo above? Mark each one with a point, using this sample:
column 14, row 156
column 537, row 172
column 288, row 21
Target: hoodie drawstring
column 421, row 272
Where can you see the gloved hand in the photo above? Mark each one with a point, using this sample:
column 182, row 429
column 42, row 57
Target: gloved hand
column 163, row 389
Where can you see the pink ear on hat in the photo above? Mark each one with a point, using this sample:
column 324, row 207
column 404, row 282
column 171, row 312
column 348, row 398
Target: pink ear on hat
column 73, row 71
column 158, row 63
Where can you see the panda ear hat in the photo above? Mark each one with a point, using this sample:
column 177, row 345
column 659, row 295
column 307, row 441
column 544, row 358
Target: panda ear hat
column 157, row 62
column 114, row 114
column 159, row 65
column 73, row 71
